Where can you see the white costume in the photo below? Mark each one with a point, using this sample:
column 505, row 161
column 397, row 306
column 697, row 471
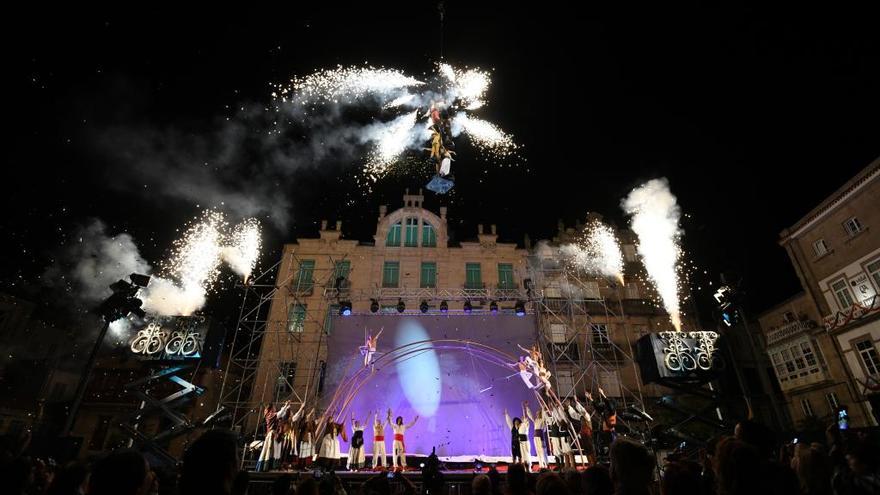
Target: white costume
column 330, row 443
column 445, row 166
column 525, row 448
column 399, row 445
column 560, row 445
column 538, row 438
column 270, row 455
column 378, row 442
column 356, row 455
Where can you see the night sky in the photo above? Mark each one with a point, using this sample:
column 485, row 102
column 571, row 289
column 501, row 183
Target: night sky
column 753, row 116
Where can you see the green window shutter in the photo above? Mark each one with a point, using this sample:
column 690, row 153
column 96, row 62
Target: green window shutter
column 429, row 275
column 393, row 238
column 429, row 236
column 391, row 274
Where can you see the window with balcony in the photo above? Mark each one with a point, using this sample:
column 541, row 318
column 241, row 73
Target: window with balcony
column 393, row 238
column 852, row 226
column 599, row 335
column 564, row 382
column 296, row 318
column 341, row 269
column 842, row 294
column 505, row 276
column 558, row 333
column 632, row 290
column 391, row 274
column 473, row 278
column 868, row 355
column 284, row 382
column 429, row 235
column 304, row 276
column 819, row 247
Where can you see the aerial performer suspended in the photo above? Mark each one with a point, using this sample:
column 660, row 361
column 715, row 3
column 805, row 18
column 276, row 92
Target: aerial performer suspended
column 442, row 148
column 369, row 348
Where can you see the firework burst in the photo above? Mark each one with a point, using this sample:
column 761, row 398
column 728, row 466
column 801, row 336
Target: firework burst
column 598, row 251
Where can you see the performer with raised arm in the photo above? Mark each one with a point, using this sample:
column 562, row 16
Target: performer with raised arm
column 356, row 454
column 288, row 438
column 305, row 429
column 585, row 427
column 607, row 410
column 379, row 439
column 271, row 452
column 369, row 348
column 329, row 453
column 562, row 443
column 399, row 429
column 540, row 424
column 520, row 450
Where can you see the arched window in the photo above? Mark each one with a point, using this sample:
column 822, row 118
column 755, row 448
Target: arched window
column 429, row 236
column 393, row 238
column 412, row 232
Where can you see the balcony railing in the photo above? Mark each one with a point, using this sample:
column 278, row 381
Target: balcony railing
column 789, row 330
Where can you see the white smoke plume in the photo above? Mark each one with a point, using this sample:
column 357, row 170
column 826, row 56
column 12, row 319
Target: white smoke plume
column 655, row 216
column 92, row 260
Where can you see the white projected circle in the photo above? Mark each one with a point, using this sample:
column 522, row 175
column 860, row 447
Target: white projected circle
column 419, row 373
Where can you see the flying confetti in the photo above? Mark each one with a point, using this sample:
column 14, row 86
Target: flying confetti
column 655, row 215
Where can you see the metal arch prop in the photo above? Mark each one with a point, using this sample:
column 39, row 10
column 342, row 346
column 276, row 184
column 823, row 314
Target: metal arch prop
column 350, row 387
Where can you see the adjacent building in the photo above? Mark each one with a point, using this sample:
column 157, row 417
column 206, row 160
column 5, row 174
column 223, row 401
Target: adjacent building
column 825, row 342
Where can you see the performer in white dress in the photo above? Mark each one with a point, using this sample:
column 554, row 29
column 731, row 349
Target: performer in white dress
column 270, row 455
column 539, row 421
column 356, row 454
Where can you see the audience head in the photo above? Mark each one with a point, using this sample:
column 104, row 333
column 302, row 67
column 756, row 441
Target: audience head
column 597, row 481
column 481, row 485
column 551, row 484
column 517, row 481
column 756, row 435
column 210, row 464
column 123, row 472
column 632, row 467
column 813, row 470
column 737, row 467
column 681, row 478
column 72, row 479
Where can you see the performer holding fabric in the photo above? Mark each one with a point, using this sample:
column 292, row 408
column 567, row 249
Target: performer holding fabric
column 356, row 454
column 399, row 428
column 271, row 453
column 561, row 444
column 607, row 410
column 520, row 450
column 540, row 423
column 305, row 430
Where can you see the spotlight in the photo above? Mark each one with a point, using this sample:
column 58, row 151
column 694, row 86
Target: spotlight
column 444, row 306
column 345, row 308
column 467, row 306
column 401, row 307
column 493, row 307
column 520, row 308
column 374, row 306
column 423, row 307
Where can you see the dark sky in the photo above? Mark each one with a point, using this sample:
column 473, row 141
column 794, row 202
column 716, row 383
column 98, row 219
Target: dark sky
column 753, row 116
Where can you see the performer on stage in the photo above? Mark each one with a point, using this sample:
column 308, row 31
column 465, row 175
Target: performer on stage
column 305, row 429
column 525, row 374
column 328, row 455
column 379, row 440
column 540, row 424
column 369, row 347
column 356, row 454
column 288, row 438
column 520, row 450
column 561, row 444
column 399, row 429
column 607, row 410
column 271, row 453
column 585, row 428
